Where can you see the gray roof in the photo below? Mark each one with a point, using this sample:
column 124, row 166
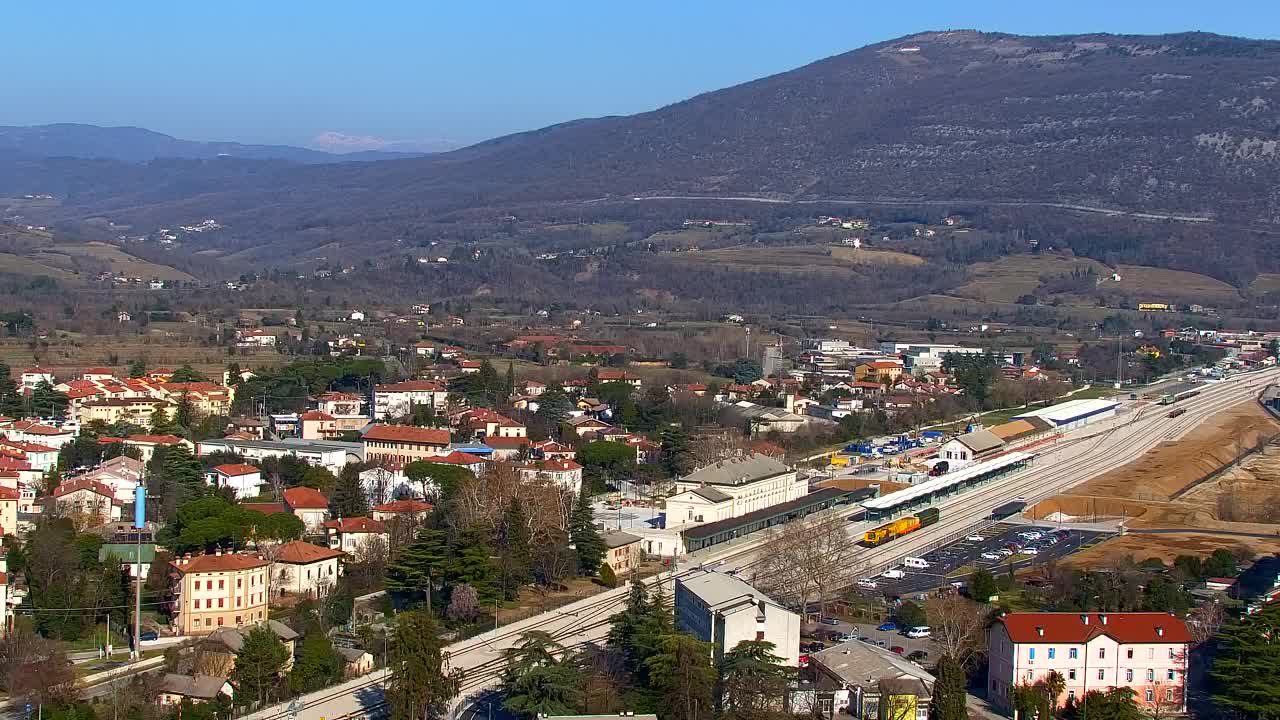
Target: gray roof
column 618, row 539
column 858, row 663
column 351, row 654
column 765, row 413
column 711, row 494
column 737, row 471
column 980, row 441
column 233, row 638
column 205, row 687
column 290, row 445
column 719, row 590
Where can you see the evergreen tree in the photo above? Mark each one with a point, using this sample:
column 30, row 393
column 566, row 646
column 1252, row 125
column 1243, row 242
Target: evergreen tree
column 487, row 383
column 185, row 472
column 752, row 678
column 137, row 368
column 161, row 424
column 949, row 691
column 187, row 374
column 509, row 387
column 48, row 402
column 514, row 552
column 348, row 498
column 471, row 564
column 682, row 673
column 318, row 665
column 420, row 685
column 586, row 539
column 677, row 458
column 420, row 565
column 10, row 398
column 1250, row 654
column 554, row 405
column 540, row 679
column 259, row 665
column 184, row 415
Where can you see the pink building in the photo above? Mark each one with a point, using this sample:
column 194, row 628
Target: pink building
column 1092, row 651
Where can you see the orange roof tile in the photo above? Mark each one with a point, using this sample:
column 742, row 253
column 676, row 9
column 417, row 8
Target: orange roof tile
column 305, row 498
column 407, row 434
column 219, row 563
column 301, row 553
column 1068, row 627
column 234, row 469
column 356, row 525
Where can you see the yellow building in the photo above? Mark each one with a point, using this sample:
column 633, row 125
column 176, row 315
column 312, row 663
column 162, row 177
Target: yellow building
column 218, row 590
column 137, row 411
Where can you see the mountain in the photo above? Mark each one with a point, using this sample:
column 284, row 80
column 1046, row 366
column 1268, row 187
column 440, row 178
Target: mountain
column 1181, row 123
column 135, row 145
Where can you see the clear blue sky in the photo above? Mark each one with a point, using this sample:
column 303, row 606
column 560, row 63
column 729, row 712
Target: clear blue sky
column 285, row 71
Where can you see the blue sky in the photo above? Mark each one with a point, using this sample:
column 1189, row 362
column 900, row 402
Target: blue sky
column 286, row 71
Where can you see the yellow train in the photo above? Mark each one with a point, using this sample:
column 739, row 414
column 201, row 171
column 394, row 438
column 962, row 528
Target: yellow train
column 891, row 530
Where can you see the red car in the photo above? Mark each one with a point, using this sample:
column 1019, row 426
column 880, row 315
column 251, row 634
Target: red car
column 896, row 648
column 804, row 661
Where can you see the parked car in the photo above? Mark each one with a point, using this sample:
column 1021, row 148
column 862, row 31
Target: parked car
column 867, row 583
column 881, row 643
column 893, row 574
column 898, row 649
column 1030, row 550
column 917, row 632
column 804, row 661
column 1005, row 551
column 149, row 636
column 817, row 647
column 991, row 556
column 888, row 627
column 829, row 621
column 918, row 656
column 866, row 640
column 975, row 538
column 842, row 637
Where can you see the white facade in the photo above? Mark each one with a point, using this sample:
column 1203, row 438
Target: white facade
column 392, row 401
column 724, row 611
column 1074, row 413
column 732, row 488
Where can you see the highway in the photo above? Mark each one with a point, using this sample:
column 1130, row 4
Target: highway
column 1076, row 457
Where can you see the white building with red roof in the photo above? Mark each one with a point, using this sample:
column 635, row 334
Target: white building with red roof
column 34, row 432
column 303, row 569
column 318, row 425
column 1145, row 651
column 308, row 505
column 563, row 472
column 88, row 503
column 404, row 443
column 414, row 510
column 398, row 399
column 352, row 535
column 40, row 457
column 147, row 444
column 33, row 376
column 244, row 480
column 552, row 450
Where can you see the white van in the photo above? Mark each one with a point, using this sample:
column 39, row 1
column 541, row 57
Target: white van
column 920, row 631
column 893, row 574
column 915, row 563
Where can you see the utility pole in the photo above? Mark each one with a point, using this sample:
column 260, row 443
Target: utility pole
column 139, row 524
column 1119, row 362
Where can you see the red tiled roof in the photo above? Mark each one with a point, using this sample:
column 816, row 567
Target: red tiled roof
column 305, row 498
column 35, row 428
column 8, row 493
column 407, row 434
column 155, row 439
column 98, row 371
column 556, row 465
column 301, row 553
column 70, row 486
column 411, row 386
column 1067, row 627
column 404, row 506
column 315, row 415
column 356, row 525
column 219, row 563
column 456, row 458
column 234, row 469
column 28, row 446
column 265, row 508
column 9, row 463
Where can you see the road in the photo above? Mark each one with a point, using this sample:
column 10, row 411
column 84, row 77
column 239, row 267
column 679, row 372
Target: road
column 1078, row 456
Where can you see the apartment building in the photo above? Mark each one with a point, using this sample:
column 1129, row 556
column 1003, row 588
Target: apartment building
column 404, row 443
column 724, row 611
column 306, row 570
column 1092, row 651
column 224, row 589
column 398, row 399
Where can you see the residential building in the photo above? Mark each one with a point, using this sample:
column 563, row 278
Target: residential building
column 485, row 424
column 10, row 500
column 306, row 570
column 550, row 450
column 603, row 375
column 1147, row 652
column 857, row 679
column 878, row 371
column 88, row 503
column 224, row 589
column 255, row 338
column 404, row 443
column 565, row 473
column 134, row 410
column 733, row 487
column 346, row 409
column 32, row 377
column 206, row 398
column 174, row 688
column 970, row 447
column 146, row 444
column 414, row 510
column 220, row 648
column 722, row 610
column 41, row 458
column 122, row 473
column 398, row 399
column 318, row 425
column 309, row 505
column 34, row 432
column 583, row 426
column 355, row 662
column 128, row 555
column 244, row 480
column 352, row 535
column 622, row 552
column 329, row 454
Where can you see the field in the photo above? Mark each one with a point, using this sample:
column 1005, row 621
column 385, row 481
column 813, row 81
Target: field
column 20, row 265
column 1007, row 279
column 795, row 258
column 1265, row 282
column 1158, row 283
column 94, row 254
column 1183, row 486
column 73, row 353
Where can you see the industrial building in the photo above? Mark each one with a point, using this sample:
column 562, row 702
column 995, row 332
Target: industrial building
column 1073, row 413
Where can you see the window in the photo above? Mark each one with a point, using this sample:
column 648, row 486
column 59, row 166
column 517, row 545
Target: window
column 1031, row 654
column 237, row 602
column 1030, row 675
column 237, row 619
column 208, row 603
column 1151, row 696
column 1052, row 653
column 239, row 583
column 1071, row 694
column 207, row 622
column 219, row 621
column 1071, row 674
column 222, row 584
column 1171, row 675
column 1128, row 676
column 1102, row 653
column 1102, row 674
column 1073, row 653
column 1129, row 653
column 1151, row 653
column 1168, row 694
column 1172, row 654
column 1151, row 675
column 759, row 636
column 219, row 602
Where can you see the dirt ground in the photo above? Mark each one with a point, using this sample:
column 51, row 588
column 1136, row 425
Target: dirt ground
column 1174, row 486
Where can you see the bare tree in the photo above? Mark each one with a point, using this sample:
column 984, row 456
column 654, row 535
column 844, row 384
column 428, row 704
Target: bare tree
column 1204, row 621
column 958, row 625
column 809, row 560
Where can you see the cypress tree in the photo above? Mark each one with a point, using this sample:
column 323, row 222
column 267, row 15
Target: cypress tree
column 948, row 691
column 586, row 539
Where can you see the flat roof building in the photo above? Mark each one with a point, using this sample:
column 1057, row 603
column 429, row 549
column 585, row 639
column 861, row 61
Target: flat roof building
column 1073, row 413
column 724, row 611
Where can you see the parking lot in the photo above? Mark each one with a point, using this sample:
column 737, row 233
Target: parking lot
column 968, row 553
column 823, row 632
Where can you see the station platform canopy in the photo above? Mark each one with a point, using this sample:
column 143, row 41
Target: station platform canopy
column 945, row 483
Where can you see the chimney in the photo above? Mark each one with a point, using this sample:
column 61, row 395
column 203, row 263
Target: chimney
column 1159, row 631
column 218, row 551
column 1102, row 617
column 1040, row 630
column 1084, row 618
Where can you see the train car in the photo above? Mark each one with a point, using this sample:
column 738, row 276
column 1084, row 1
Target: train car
column 928, row 516
column 1177, row 412
column 1186, row 394
column 1166, row 399
column 891, row 530
column 1009, row 509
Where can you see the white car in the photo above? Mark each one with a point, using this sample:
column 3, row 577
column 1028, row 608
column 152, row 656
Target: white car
column 975, row 538
column 893, row 574
column 1005, row 552
column 921, row 631
column 1031, row 535
column 1030, row 551
column 867, row 583
column 991, row 556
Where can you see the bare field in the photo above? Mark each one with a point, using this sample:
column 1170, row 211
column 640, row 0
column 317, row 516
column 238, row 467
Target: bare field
column 20, row 265
column 1007, row 279
column 868, row 256
column 72, row 355
column 1166, row 547
column 1158, row 284
column 68, row 257
column 1265, row 282
column 795, row 258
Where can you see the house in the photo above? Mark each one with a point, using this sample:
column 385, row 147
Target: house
column 346, row 409
column 10, row 499
column 583, row 426
column 224, row 589
column 733, row 487
column 220, row 648
column 32, row 377
column 318, row 425
column 174, row 688
column 720, row 609
column 354, row 534
column 565, row 473
column 404, row 443
column 251, row 427
column 485, row 424
column 129, row 555
column 255, row 338
column 88, row 502
column 34, row 432
column 856, row 678
column 355, row 661
column 329, row 454
column 309, row 505
column 877, row 370
column 415, row 510
column 122, row 473
column 551, row 450
column 622, row 552
column 244, row 480
column 507, row 448
column 41, row 458
column 306, row 570
column 398, row 399
column 603, row 375
column 1145, row 651
column 970, row 447
column 474, row 463
column 146, row 444
column 470, row 367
